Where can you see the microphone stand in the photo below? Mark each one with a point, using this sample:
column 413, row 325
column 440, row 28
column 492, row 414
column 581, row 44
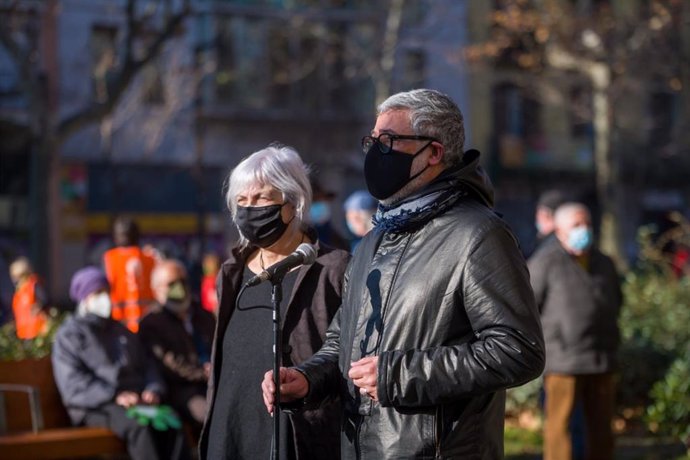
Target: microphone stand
column 276, row 298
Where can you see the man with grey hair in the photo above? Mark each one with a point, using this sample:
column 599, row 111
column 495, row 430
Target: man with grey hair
column 178, row 333
column 578, row 294
column 438, row 317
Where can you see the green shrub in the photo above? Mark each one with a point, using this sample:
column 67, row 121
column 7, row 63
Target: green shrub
column 15, row 349
column 655, row 349
column 524, row 398
column 654, row 326
column 670, row 411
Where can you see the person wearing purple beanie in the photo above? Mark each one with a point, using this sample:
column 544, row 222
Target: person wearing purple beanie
column 102, row 369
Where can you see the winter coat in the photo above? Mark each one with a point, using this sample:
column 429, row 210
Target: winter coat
column 312, row 304
column 180, row 354
column 449, row 311
column 579, row 309
column 94, row 359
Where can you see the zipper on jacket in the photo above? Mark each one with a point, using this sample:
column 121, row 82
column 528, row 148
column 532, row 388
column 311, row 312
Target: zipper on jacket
column 358, row 429
column 438, row 429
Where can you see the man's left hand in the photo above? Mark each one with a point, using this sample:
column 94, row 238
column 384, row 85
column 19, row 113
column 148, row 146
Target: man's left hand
column 363, row 374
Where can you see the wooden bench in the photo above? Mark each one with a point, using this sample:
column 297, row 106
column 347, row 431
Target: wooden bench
column 33, row 422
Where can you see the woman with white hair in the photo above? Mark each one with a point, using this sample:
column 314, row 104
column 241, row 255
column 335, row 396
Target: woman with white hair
column 268, row 195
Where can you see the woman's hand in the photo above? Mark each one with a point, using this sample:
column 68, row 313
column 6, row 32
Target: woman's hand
column 293, row 385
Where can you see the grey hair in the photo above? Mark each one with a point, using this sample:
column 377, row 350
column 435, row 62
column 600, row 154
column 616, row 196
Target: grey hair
column 278, row 166
column 566, row 210
column 435, row 114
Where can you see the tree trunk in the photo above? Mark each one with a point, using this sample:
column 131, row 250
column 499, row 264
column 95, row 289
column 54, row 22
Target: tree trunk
column 605, row 165
column 390, row 40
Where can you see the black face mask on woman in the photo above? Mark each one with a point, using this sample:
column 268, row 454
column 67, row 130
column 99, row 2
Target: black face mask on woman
column 261, row 225
column 386, row 173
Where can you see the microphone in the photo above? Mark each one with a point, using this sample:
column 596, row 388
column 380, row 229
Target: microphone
column 305, row 254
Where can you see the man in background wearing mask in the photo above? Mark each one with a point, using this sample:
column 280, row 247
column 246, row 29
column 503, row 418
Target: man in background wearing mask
column 438, row 317
column 178, row 333
column 360, row 208
column 102, row 369
column 320, row 217
column 578, row 294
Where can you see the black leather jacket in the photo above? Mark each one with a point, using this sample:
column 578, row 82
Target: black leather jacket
column 450, row 313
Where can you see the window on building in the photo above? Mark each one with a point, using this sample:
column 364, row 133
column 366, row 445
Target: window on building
column 414, row 12
column 580, row 112
column 103, row 47
column 663, row 113
column 152, row 85
column 412, row 68
column 517, row 126
column 10, row 89
column 242, row 64
column 267, row 63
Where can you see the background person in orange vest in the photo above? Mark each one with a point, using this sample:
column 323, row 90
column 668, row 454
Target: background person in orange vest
column 29, row 299
column 128, row 268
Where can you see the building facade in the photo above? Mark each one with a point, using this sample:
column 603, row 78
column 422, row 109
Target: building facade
column 235, row 76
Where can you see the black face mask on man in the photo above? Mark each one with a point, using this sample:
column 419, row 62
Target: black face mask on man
column 261, row 225
column 387, row 172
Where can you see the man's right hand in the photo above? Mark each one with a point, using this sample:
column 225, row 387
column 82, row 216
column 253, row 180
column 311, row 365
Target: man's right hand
column 293, row 385
column 127, row 399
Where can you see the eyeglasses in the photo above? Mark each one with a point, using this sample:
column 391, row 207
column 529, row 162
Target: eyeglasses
column 385, row 140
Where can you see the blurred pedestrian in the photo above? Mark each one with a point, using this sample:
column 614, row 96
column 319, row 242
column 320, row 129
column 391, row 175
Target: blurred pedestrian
column 269, row 197
column 128, row 268
column 209, row 297
column 547, row 204
column 578, row 293
column 321, row 215
column 360, row 208
column 178, row 334
column 102, row 369
column 29, row 300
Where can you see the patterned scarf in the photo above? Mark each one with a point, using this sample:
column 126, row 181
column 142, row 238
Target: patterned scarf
column 415, row 211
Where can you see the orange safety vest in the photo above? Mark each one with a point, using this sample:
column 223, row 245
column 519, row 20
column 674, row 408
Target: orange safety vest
column 129, row 270
column 28, row 323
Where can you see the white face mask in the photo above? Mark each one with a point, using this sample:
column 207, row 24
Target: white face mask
column 99, row 305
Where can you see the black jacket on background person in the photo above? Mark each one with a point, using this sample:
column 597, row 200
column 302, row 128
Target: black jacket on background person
column 179, row 352
column 312, row 304
column 96, row 358
column 449, row 311
column 579, row 309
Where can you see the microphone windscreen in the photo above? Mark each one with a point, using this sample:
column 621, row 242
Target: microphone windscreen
column 308, row 251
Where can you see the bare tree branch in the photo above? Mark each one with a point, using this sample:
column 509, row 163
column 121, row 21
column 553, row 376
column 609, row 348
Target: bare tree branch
column 22, row 59
column 97, row 111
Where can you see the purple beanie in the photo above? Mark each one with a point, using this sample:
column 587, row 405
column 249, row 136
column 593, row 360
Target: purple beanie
column 86, row 281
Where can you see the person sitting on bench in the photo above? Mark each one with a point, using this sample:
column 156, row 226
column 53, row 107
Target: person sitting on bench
column 102, row 369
